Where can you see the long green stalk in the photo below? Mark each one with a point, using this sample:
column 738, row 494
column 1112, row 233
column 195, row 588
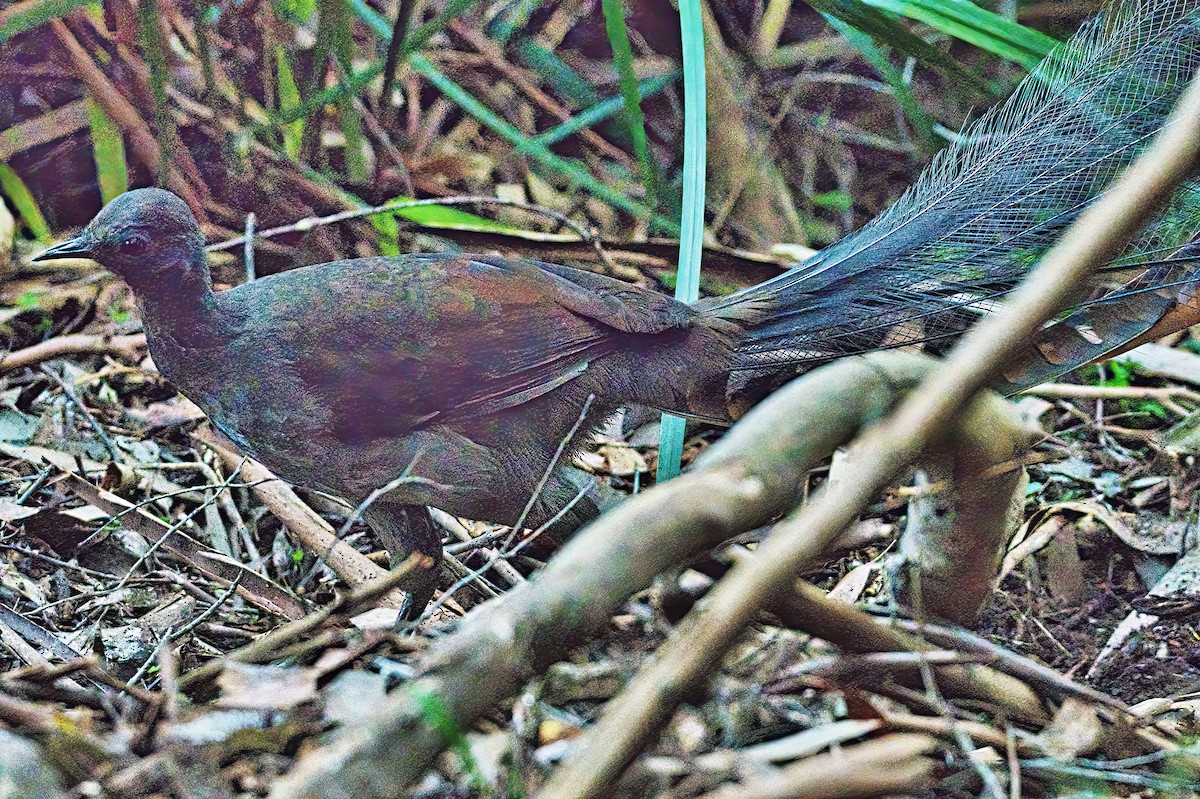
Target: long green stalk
column 691, row 238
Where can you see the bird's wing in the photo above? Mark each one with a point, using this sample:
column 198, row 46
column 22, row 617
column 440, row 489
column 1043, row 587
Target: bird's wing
column 391, row 345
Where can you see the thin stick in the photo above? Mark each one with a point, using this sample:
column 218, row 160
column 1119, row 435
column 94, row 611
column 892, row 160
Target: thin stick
column 310, row 222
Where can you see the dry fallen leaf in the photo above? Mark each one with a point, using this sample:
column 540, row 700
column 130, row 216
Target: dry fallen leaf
column 250, row 686
column 1074, row 731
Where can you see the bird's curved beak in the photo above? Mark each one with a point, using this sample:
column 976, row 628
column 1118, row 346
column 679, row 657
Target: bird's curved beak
column 78, row 247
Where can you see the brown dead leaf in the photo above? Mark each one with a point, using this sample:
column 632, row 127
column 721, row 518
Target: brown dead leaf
column 250, row 686
column 850, row 588
column 1075, row 730
column 11, row 511
column 133, row 644
column 623, row 461
column 178, row 410
column 553, row 730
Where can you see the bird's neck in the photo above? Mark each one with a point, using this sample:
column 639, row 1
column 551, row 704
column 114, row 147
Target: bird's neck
column 178, row 302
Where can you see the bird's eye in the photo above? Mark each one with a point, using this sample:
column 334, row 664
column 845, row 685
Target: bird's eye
column 134, row 247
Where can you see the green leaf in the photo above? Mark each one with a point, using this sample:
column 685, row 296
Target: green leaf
column 449, row 218
column 1122, row 375
column 296, row 10
column 436, row 714
column 389, row 233
column 1118, row 374
column 108, row 150
column 1153, row 408
column 431, row 216
column 838, row 201
column 26, row 207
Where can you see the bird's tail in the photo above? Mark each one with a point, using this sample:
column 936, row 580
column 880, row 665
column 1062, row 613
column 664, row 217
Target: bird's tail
column 990, row 205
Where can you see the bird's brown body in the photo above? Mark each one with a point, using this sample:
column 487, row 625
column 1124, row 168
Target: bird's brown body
column 465, row 372
column 455, row 379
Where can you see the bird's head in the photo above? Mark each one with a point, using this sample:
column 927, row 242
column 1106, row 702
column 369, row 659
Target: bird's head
column 147, row 236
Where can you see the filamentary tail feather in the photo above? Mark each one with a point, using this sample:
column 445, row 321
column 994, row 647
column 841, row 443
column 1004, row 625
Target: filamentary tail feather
column 992, row 203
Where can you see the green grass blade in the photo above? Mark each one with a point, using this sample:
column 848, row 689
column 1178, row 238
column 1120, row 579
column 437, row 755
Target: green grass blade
column 355, row 149
column 26, row 207
column 538, row 151
column 535, row 150
column 452, row 11
column 508, row 26
column 635, row 120
column 603, row 110
column 556, row 72
column 922, row 125
column 288, row 94
column 353, row 83
column 375, row 21
column 333, row 41
column 567, row 83
column 974, row 25
column 885, row 28
column 1001, row 27
column 203, row 22
column 108, row 150
column 155, row 51
column 695, row 119
column 512, row 19
column 404, row 14
column 691, row 239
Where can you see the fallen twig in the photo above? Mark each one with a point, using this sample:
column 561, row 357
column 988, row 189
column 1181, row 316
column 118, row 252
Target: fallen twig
column 898, row 763
column 124, row 347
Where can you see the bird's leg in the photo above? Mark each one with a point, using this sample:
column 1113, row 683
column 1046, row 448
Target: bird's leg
column 403, row 530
